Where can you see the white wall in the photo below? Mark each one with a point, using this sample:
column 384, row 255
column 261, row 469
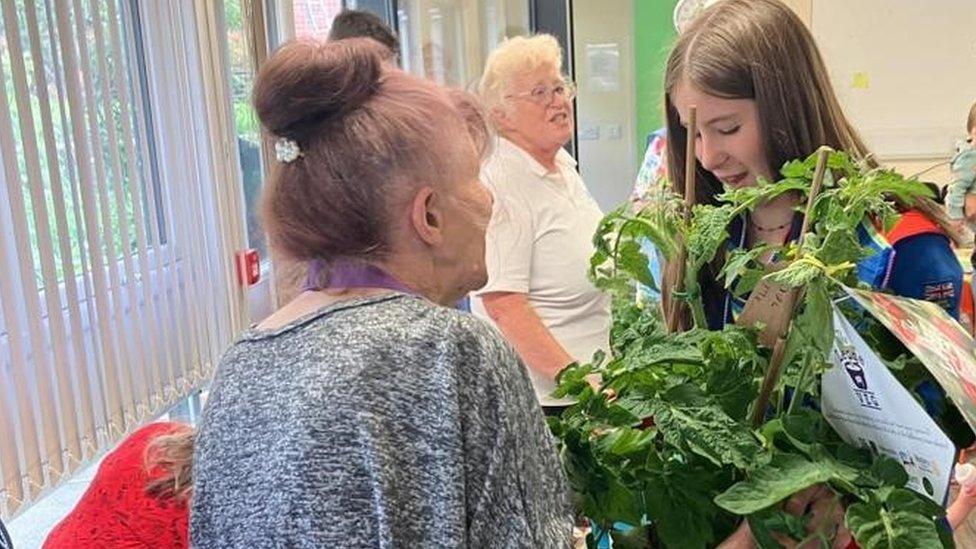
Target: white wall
column 606, row 106
column 905, row 70
column 918, row 61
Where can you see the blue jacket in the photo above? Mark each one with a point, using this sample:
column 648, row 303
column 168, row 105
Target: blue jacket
column 721, row 307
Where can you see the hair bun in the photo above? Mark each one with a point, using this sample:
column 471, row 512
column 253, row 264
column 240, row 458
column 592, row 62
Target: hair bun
column 307, row 83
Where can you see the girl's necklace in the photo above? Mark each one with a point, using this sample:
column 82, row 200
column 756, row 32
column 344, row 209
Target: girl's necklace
column 762, row 229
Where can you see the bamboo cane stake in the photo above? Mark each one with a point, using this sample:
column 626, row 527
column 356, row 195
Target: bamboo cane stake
column 779, row 348
column 674, row 315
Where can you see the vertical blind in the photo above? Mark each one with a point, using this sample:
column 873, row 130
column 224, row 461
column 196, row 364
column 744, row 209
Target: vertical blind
column 117, row 290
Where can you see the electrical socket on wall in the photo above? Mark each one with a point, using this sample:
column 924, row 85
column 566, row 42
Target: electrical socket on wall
column 589, row 132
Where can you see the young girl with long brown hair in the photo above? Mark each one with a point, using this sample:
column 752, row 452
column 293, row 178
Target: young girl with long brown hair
column 763, row 97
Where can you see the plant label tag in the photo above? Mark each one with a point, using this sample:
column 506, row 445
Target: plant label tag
column 867, row 406
column 771, row 305
column 935, row 338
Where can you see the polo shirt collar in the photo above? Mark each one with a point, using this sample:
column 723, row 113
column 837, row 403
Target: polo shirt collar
column 563, row 158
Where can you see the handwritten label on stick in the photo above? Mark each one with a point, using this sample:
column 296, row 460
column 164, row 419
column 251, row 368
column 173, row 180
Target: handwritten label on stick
column 771, row 305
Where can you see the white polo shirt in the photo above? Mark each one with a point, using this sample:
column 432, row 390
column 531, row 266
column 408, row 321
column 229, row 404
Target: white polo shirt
column 539, row 243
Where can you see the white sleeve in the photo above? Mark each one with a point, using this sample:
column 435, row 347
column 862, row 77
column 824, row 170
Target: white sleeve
column 508, row 245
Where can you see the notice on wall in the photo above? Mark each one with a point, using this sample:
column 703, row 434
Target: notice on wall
column 860, row 80
column 935, row 338
column 603, row 64
column 868, row 407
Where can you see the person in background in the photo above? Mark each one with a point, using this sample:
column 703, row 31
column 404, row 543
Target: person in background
column 925, row 266
column 540, row 239
column 652, row 170
column 653, row 167
column 646, row 194
column 139, row 498
column 358, row 24
column 363, row 24
column 960, row 194
column 963, row 167
column 367, row 412
column 764, row 97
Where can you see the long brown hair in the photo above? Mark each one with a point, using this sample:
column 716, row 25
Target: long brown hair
column 172, row 453
column 760, row 50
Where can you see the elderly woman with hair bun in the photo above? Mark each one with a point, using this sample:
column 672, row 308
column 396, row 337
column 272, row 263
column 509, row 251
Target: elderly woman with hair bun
column 540, row 238
column 367, row 412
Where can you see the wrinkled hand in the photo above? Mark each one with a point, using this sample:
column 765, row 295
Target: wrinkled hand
column 826, row 516
column 596, row 382
column 740, row 539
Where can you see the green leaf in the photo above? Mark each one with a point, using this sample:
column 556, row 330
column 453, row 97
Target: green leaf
column 812, row 333
column 665, row 352
column 803, row 429
column 747, row 282
column 816, row 321
column 732, row 390
column 784, row 476
column 795, row 169
column 708, row 432
column 888, row 471
column 798, row 274
column 571, row 380
column 765, row 523
column 742, row 261
column 903, row 499
column 624, row 441
column 602, row 495
column 637, row 404
column 840, row 246
column 875, row 527
column 680, row 502
column 618, row 260
column 709, row 230
column 631, row 258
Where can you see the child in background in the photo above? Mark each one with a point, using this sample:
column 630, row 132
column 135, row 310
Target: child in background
column 958, row 512
column 139, row 496
column 963, row 172
column 651, row 171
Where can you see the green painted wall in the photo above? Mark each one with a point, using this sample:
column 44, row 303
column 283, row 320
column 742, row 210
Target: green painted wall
column 653, row 35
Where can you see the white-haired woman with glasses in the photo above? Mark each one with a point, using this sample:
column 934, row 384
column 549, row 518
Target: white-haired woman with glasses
column 539, row 241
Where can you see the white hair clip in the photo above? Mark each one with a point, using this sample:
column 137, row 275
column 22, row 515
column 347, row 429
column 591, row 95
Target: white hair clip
column 286, row 150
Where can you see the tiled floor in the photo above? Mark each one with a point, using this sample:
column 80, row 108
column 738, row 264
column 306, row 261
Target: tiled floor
column 30, row 529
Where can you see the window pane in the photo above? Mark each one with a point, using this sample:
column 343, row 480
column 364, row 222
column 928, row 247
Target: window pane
column 313, row 18
column 58, row 166
column 245, row 119
column 449, row 40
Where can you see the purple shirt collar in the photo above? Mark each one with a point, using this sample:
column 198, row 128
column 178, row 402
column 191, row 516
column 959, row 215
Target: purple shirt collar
column 351, row 274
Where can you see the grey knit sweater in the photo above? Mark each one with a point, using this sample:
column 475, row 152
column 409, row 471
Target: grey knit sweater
column 379, row 422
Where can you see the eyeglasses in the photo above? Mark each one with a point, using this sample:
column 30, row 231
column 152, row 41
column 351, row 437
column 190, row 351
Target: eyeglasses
column 543, row 95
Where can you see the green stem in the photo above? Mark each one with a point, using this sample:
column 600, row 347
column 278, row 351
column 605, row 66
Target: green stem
column 800, row 389
column 693, row 289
